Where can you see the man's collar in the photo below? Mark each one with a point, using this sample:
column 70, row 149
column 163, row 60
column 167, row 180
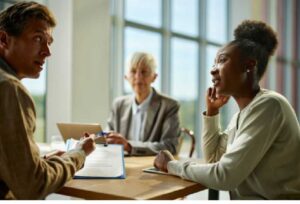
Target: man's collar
column 4, row 66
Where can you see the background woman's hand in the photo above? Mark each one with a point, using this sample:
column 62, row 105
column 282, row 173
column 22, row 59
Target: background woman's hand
column 214, row 102
column 117, row 138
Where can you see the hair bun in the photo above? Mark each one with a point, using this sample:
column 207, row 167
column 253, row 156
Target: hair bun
column 258, row 32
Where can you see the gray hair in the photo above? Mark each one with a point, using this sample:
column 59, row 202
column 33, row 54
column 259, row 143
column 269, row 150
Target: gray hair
column 142, row 58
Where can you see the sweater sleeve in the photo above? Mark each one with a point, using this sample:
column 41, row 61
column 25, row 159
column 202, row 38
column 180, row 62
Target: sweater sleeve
column 252, row 141
column 214, row 141
column 25, row 174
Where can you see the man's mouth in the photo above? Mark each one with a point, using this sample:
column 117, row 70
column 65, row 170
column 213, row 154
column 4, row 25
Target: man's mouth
column 40, row 63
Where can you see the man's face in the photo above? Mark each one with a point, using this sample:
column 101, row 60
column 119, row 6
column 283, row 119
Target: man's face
column 27, row 52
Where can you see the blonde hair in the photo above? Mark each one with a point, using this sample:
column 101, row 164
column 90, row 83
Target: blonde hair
column 142, row 59
column 14, row 19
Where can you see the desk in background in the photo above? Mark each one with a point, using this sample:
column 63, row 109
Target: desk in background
column 138, row 185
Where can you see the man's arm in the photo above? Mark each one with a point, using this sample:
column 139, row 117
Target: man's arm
column 26, row 174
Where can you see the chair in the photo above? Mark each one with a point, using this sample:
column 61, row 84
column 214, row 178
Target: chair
column 184, row 132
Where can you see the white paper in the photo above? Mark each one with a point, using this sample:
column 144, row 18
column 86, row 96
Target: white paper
column 106, row 161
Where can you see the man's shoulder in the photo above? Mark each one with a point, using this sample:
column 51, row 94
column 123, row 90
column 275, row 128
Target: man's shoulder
column 8, row 80
column 5, row 77
column 11, row 84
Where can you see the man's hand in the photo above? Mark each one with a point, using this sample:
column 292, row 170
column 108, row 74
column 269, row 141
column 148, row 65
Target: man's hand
column 117, row 138
column 87, row 143
column 162, row 159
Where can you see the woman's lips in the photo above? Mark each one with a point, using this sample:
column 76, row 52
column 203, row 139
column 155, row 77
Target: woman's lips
column 216, row 82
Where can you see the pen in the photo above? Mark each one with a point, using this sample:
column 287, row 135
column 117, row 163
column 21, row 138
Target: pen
column 101, row 134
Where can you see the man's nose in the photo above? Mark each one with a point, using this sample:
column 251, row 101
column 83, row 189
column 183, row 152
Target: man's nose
column 46, row 50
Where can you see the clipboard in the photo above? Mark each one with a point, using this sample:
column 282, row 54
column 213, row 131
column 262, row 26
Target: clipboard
column 105, row 162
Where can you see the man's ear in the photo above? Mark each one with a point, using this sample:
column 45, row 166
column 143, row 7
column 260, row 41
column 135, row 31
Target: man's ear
column 4, row 38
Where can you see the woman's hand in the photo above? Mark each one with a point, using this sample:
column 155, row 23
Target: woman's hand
column 162, row 159
column 214, row 102
column 117, row 138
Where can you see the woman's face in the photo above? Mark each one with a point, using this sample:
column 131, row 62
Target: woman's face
column 141, row 78
column 229, row 74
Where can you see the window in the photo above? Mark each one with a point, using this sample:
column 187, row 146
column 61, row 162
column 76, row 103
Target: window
column 179, row 20
column 141, row 40
column 184, row 37
column 184, row 80
column 146, row 12
column 37, row 89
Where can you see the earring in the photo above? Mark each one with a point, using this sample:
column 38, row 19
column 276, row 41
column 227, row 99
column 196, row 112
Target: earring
column 248, row 70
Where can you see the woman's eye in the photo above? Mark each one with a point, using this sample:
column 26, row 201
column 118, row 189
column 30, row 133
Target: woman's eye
column 38, row 38
column 222, row 60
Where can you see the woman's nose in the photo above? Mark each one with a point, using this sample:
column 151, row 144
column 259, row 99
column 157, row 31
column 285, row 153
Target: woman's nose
column 214, row 69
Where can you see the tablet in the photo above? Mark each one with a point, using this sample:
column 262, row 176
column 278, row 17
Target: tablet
column 77, row 130
column 154, row 170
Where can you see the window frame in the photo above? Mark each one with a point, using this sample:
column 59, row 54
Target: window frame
column 119, row 23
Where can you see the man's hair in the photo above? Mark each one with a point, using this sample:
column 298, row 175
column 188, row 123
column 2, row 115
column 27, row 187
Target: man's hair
column 256, row 40
column 14, row 19
column 142, row 58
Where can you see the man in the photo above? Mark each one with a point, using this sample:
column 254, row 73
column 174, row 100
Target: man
column 25, row 37
column 147, row 121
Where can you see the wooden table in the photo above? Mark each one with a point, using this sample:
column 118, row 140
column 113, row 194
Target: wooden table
column 138, row 185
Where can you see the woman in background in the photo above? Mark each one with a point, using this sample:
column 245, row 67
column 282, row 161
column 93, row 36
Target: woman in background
column 256, row 157
column 146, row 121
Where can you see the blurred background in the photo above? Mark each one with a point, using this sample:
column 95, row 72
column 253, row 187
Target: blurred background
column 94, row 39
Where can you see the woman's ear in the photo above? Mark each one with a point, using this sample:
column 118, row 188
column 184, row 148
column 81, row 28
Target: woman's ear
column 154, row 77
column 126, row 77
column 250, row 65
column 3, row 39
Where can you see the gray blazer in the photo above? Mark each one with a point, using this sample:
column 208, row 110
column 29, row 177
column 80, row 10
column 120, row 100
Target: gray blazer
column 161, row 126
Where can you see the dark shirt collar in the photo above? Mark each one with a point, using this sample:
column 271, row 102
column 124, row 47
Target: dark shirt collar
column 4, row 66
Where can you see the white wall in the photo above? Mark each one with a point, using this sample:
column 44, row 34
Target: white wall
column 78, row 70
column 91, row 48
column 59, row 67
